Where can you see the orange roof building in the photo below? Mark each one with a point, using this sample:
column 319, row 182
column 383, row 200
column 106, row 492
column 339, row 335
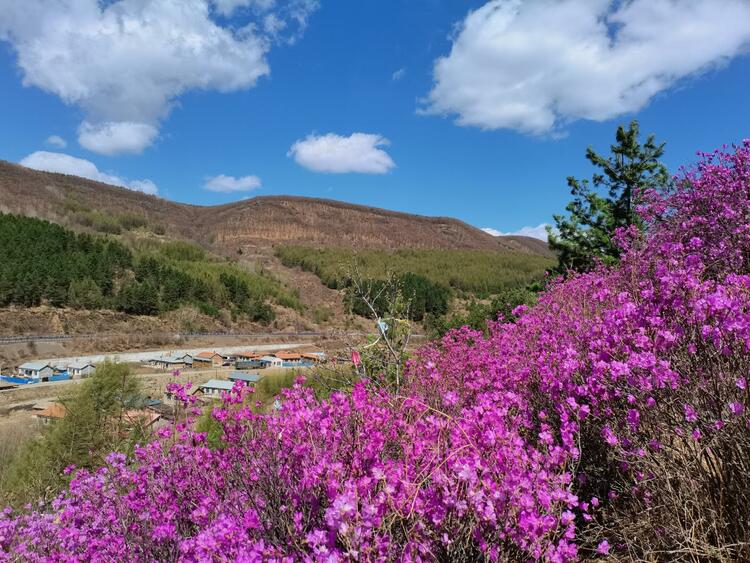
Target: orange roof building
column 288, row 356
column 54, row 412
column 213, row 358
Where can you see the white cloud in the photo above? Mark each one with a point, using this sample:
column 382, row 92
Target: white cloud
column 126, row 62
column 540, row 232
column 533, row 66
column 398, row 75
column 116, row 137
column 228, row 184
column 56, row 141
column 335, row 154
column 66, row 164
column 275, row 16
column 227, row 7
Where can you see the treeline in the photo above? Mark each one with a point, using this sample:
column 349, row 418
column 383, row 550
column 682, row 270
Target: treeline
column 43, row 263
column 424, row 298
column 481, row 273
column 495, row 282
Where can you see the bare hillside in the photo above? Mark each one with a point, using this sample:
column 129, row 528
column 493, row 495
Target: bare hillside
column 257, row 223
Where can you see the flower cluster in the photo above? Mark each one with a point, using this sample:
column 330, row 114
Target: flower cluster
column 523, row 444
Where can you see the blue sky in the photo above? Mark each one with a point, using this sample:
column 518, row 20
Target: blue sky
column 476, row 110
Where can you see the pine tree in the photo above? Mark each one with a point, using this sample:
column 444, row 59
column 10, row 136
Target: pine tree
column 608, row 201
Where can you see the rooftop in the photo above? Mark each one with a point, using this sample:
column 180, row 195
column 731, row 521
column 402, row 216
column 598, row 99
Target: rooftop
column 218, row 384
column 287, row 355
column 55, row 410
column 207, row 355
column 246, row 377
column 36, row 366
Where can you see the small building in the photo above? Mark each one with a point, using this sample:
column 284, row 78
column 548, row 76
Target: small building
column 254, row 363
column 289, row 357
column 172, row 362
column 229, row 358
column 316, row 357
column 271, row 362
column 249, row 378
column 215, row 387
column 53, row 413
column 247, row 355
column 80, row 369
column 41, row 371
column 209, row 359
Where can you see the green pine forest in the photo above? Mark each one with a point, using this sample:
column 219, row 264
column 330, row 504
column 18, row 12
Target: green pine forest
column 476, row 272
column 491, row 284
column 44, row 263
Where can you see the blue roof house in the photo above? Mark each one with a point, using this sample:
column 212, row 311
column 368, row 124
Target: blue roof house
column 249, row 378
column 36, row 370
column 215, row 387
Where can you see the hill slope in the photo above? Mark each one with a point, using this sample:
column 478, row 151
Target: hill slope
column 258, row 222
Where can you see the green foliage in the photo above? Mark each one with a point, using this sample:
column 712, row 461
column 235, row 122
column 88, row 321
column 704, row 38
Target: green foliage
column 98, row 221
column 482, row 273
column 93, row 427
column 138, row 298
column 422, row 296
column 84, row 293
column 185, row 251
column 585, row 236
column 39, row 262
column 79, row 213
column 44, row 263
column 500, row 308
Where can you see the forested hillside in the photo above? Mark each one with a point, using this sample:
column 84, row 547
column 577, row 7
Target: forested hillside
column 44, row 263
column 478, row 272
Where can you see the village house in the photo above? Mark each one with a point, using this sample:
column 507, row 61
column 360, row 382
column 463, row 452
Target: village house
column 209, row 359
column 249, row 378
column 36, row 370
column 172, row 362
column 247, row 355
column 80, row 369
column 316, row 357
column 271, row 362
column 214, row 388
column 53, row 413
column 289, row 359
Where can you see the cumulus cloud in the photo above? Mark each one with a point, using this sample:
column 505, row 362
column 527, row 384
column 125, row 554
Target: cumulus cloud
column 125, row 63
column 540, row 232
column 56, row 141
column 116, row 137
column 398, row 75
column 336, row 154
column 533, row 66
column 66, row 164
column 229, row 184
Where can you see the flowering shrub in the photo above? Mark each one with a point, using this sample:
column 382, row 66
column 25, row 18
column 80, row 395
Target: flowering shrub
column 611, row 418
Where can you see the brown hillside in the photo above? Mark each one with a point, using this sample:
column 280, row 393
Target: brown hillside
column 258, row 222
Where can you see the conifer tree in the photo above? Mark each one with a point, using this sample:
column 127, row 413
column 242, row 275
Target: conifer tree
column 608, row 201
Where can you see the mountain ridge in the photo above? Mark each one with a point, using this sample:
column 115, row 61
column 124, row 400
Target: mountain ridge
column 251, row 223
